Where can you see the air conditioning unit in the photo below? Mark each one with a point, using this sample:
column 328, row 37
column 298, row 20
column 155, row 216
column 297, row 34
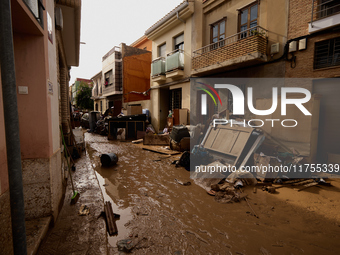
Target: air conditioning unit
column 274, row 48
column 292, row 46
column 59, row 18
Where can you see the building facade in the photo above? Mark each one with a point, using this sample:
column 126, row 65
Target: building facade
column 75, row 88
column 97, row 92
column 112, row 79
column 142, row 43
column 171, row 64
column 45, row 47
column 314, row 32
column 238, row 39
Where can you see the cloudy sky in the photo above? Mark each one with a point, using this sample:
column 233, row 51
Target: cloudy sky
column 107, row 23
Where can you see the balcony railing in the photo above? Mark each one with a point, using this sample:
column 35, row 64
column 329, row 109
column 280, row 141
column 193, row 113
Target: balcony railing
column 243, row 43
column 174, row 60
column 324, row 8
column 158, row 67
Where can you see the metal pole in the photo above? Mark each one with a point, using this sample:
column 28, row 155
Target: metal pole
column 9, row 97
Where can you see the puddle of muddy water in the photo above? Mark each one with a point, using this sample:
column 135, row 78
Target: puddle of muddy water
column 170, row 218
column 125, row 214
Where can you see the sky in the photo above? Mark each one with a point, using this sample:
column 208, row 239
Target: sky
column 107, row 23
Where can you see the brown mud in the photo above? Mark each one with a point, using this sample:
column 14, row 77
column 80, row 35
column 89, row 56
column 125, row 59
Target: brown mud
column 160, row 216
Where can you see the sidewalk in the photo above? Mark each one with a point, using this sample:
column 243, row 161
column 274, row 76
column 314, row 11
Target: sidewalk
column 74, row 234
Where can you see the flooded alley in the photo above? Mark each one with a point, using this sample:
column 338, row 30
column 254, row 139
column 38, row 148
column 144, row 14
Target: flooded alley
column 160, row 216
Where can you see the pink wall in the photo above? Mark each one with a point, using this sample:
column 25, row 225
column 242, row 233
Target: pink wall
column 34, row 108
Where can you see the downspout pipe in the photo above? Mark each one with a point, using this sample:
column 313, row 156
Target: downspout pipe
column 177, row 13
column 11, row 118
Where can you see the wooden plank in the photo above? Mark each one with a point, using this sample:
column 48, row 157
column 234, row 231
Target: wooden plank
column 111, row 224
column 160, row 150
column 312, row 184
column 138, row 141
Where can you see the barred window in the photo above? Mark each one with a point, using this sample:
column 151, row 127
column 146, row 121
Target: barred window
column 328, row 7
column 175, row 99
column 327, row 53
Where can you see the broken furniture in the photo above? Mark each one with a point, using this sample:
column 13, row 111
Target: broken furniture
column 180, row 138
column 232, row 144
column 130, row 124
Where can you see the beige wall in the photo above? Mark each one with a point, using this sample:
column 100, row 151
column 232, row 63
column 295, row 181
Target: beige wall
column 54, row 98
column 155, row 108
column 185, row 93
column 168, row 38
column 160, row 92
column 273, row 16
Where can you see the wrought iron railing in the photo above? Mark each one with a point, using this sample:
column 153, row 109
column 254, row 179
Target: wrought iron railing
column 254, row 31
column 324, row 8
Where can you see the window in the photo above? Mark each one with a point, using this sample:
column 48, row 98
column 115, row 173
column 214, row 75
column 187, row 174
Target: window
column 179, row 42
column 161, row 50
column 218, row 31
column 175, row 99
column 328, row 7
column 101, row 106
column 327, row 53
column 108, row 78
column 247, row 19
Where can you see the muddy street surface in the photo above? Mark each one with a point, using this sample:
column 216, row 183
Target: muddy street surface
column 160, row 216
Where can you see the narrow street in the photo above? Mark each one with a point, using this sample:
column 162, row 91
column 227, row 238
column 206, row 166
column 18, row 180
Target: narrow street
column 160, row 216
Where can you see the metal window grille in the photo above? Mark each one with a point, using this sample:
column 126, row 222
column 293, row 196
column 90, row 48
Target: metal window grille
column 175, row 99
column 327, row 53
column 328, row 8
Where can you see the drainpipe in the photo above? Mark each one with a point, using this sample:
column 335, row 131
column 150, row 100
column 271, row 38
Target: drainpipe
column 11, row 118
column 177, row 13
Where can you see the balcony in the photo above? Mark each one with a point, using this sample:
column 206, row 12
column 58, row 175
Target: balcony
column 325, row 14
column 174, row 64
column 242, row 49
column 158, row 70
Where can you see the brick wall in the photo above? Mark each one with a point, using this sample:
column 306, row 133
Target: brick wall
column 300, row 12
column 305, row 61
column 239, row 48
